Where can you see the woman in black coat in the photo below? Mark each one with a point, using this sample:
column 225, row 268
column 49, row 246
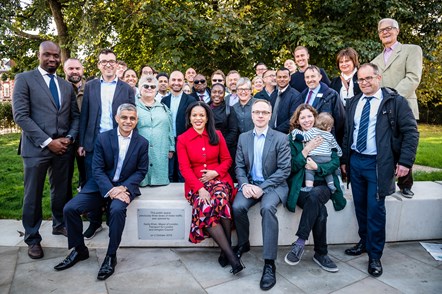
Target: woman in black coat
column 347, row 61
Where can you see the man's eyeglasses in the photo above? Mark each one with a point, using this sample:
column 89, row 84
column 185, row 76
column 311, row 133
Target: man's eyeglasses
column 110, row 62
column 244, row 89
column 385, row 30
column 196, row 82
column 216, row 81
column 367, row 79
column 257, row 112
column 145, row 86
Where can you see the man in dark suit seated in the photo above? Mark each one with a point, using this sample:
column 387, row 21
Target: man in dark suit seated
column 262, row 167
column 119, row 165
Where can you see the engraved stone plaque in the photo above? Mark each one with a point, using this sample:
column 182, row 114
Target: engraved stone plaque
column 160, row 224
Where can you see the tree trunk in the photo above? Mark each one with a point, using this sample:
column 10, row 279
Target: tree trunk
column 62, row 29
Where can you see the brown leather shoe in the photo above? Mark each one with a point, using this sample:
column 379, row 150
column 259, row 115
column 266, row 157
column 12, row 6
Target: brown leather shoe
column 35, row 251
column 60, row 231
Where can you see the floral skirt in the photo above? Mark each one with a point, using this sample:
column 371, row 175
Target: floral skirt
column 203, row 215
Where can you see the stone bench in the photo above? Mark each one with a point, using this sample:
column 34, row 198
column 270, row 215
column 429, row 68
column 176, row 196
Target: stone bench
column 161, row 216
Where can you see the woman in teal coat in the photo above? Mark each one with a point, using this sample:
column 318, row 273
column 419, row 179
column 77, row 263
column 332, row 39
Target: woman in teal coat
column 314, row 213
column 155, row 124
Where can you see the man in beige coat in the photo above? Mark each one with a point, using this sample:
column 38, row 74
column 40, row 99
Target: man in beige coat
column 401, row 68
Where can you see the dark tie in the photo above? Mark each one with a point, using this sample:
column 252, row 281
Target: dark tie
column 54, row 91
column 361, row 143
column 274, row 118
column 201, row 97
column 309, row 97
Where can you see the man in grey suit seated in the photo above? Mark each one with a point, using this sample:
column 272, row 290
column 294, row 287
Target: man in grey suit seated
column 262, row 167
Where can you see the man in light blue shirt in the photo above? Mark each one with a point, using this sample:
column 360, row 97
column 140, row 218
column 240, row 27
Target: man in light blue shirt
column 262, row 167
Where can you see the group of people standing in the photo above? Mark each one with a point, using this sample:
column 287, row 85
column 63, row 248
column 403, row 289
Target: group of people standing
column 286, row 137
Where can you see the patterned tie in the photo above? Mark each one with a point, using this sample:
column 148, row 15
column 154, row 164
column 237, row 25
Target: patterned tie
column 361, row 143
column 309, row 97
column 54, row 91
column 274, row 118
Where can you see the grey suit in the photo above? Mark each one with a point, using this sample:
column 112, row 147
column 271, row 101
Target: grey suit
column 35, row 112
column 276, row 169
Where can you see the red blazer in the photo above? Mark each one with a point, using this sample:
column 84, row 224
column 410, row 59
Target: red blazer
column 195, row 153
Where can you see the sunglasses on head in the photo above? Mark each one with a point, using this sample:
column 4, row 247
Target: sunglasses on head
column 146, row 86
column 196, row 82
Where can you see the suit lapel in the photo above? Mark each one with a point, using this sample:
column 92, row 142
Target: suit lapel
column 393, row 56
column 115, row 149
column 130, row 150
column 250, row 149
column 44, row 86
column 267, row 144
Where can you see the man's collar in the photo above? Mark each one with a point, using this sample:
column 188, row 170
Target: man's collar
column 377, row 95
column 43, row 72
column 392, row 47
column 256, row 133
column 120, row 135
column 115, row 80
column 283, row 90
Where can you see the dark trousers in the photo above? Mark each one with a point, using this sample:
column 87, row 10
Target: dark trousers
column 174, row 171
column 406, row 181
column 86, row 202
column 314, row 216
column 95, row 217
column 369, row 208
column 269, row 206
column 35, row 169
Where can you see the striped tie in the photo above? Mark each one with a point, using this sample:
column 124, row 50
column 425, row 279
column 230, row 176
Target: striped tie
column 361, row 143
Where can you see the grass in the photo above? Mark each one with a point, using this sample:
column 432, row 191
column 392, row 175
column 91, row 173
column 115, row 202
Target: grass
column 429, row 153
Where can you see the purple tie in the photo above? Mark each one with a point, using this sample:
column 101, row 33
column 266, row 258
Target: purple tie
column 309, row 96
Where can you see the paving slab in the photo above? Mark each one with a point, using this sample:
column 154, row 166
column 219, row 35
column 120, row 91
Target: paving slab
column 310, row 278
column 8, row 261
column 368, row 284
column 9, row 232
column 39, row 276
column 168, row 277
column 417, row 251
column 405, row 273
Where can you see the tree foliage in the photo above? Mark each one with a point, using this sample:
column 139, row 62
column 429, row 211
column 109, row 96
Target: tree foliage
column 217, row 34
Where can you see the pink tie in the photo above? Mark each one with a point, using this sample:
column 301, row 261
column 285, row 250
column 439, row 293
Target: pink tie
column 201, row 97
column 309, row 96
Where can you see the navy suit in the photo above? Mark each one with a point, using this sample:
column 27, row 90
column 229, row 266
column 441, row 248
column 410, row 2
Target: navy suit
column 327, row 100
column 91, row 197
column 290, row 100
column 180, row 127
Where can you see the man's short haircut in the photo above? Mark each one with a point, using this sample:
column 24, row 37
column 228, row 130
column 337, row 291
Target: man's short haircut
column 106, row 52
column 121, row 62
column 264, row 73
column 71, row 59
column 351, row 54
column 373, row 66
column 264, row 101
column 282, row 68
column 259, row 63
column 162, row 74
column 244, row 81
column 300, row 48
column 324, row 121
column 126, row 106
column 233, row 72
column 393, row 22
column 314, row 68
column 218, row 72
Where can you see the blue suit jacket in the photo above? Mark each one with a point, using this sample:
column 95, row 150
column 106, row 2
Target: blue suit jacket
column 105, row 162
column 290, row 100
column 185, row 101
column 91, row 109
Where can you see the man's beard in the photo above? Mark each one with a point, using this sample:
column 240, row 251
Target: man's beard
column 74, row 79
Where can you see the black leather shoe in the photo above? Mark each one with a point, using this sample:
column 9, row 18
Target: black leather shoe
column 407, row 193
column 358, row 249
column 375, row 267
column 72, row 259
column 239, row 250
column 236, row 269
column 268, row 279
column 107, row 268
column 222, row 259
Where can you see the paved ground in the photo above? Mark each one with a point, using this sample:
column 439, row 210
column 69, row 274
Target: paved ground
column 408, row 268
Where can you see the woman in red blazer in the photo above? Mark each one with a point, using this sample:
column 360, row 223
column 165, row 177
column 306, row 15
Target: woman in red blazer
column 204, row 162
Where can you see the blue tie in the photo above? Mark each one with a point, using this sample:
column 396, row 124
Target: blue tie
column 54, row 91
column 361, row 143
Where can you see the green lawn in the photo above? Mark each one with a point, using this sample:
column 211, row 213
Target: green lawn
column 11, row 170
